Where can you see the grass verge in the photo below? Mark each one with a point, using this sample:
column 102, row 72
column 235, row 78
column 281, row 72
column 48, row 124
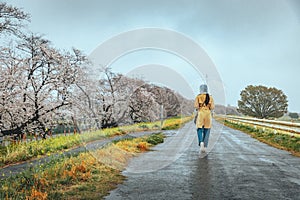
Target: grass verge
column 88, row 175
column 275, row 138
column 29, row 150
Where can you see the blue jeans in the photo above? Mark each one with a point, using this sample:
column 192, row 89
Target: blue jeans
column 203, row 135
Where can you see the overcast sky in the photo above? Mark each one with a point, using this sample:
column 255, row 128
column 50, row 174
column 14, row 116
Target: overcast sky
column 250, row 42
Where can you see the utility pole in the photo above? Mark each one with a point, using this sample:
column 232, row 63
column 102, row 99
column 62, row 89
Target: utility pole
column 161, row 115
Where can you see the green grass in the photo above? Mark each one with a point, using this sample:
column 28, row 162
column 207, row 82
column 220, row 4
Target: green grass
column 175, row 123
column 29, row 150
column 155, row 139
column 82, row 176
column 276, row 139
column 25, row 151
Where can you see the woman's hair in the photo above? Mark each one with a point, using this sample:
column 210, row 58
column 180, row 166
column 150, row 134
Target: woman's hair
column 207, row 98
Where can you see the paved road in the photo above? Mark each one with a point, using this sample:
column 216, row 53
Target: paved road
column 237, row 167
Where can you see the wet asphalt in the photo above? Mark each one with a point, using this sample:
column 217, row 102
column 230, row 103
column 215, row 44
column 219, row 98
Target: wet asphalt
column 236, row 167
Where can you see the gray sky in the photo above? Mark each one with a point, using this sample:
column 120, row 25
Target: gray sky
column 250, row 42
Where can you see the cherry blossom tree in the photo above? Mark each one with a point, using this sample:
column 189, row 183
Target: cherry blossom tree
column 41, row 86
column 12, row 19
column 40, row 81
column 143, row 106
column 167, row 98
column 112, row 97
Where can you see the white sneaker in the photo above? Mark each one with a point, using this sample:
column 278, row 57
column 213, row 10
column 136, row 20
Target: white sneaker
column 202, row 149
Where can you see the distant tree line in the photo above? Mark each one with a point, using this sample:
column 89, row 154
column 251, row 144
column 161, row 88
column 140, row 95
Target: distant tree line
column 293, row 115
column 41, row 86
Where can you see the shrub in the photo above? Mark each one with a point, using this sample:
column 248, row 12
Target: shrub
column 155, row 139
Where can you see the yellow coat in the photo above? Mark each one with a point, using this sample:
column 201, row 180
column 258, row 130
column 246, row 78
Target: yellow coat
column 204, row 111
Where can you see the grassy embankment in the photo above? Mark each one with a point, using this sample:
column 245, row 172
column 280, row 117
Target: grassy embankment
column 276, row 138
column 35, row 149
column 88, row 175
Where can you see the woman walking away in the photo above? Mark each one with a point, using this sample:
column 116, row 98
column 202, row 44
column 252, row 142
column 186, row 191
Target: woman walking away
column 204, row 103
